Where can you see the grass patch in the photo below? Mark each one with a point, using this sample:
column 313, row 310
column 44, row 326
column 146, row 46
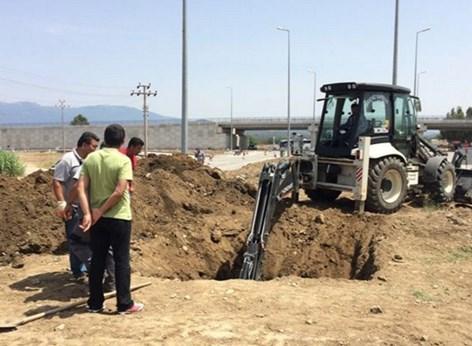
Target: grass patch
column 10, row 164
column 462, row 253
column 422, row 296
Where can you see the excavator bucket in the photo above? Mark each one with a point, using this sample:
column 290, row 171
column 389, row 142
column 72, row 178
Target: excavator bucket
column 463, row 193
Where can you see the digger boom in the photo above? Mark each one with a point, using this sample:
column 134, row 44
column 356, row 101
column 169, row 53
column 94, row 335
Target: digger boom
column 274, row 181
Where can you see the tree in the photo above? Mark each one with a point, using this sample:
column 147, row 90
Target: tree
column 79, row 119
column 468, row 113
column 458, row 135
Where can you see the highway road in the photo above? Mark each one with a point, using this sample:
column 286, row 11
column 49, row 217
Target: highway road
column 229, row 162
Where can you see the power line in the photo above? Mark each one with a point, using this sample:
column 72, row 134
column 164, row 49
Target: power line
column 65, row 91
column 64, row 82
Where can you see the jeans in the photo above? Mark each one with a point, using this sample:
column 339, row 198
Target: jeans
column 115, row 233
column 77, row 266
column 79, row 247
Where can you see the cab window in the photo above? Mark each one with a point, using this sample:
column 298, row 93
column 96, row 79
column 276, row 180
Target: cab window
column 405, row 118
column 377, row 111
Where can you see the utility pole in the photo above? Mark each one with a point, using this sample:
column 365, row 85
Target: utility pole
column 230, row 118
column 184, row 124
column 395, row 45
column 314, row 95
column 416, row 59
column 289, row 151
column 417, row 90
column 62, row 104
column 145, row 91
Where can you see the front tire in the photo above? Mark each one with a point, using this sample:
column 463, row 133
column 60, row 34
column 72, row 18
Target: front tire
column 387, row 185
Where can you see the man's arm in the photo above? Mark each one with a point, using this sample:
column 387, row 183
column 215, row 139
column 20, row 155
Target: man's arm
column 58, row 189
column 114, row 198
column 82, row 188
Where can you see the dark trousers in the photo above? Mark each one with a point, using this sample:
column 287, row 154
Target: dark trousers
column 115, row 233
column 79, row 247
column 76, row 265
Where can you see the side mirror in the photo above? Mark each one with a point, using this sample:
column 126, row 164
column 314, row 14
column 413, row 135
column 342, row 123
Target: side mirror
column 418, row 105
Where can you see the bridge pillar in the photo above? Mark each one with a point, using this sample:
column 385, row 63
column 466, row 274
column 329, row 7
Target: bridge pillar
column 243, row 141
column 313, row 129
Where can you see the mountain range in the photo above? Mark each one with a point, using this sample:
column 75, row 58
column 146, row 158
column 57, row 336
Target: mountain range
column 22, row 113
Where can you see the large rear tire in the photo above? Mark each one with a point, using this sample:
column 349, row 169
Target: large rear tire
column 443, row 189
column 387, row 185
column 322, row 195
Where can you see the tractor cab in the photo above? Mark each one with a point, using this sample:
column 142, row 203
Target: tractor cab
column 386, row 113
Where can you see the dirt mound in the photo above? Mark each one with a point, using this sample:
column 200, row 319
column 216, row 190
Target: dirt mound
column 190, row 222
column 250, row 172
column 26, row 210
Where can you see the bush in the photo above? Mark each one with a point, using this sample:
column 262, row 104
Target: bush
column 10, row 164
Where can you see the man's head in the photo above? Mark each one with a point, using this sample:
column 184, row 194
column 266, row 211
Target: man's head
column 114, row 136
column 87, row 143
column 135, row 145
column 355, row 109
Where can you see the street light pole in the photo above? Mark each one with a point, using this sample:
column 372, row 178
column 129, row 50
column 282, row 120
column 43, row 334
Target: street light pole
column 288, row 87
column 230, row 118
column 417, row 91
column 416, row 58
column 145, row 92
column 184, row 124
column 395, row 45
column 314, row 95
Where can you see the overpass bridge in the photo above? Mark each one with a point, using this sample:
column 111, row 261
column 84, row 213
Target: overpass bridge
column 303, row 123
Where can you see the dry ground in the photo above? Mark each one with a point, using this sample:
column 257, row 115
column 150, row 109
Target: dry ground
column 423, row 293
column 38, row 160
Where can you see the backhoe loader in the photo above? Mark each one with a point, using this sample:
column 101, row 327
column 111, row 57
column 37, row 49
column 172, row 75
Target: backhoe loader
column 368, row 145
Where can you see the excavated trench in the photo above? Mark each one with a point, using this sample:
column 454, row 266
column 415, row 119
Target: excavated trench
column 304, row 242
column 310, row 243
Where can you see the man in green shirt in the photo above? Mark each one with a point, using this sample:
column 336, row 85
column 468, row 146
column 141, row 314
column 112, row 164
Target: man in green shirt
column 105, row 201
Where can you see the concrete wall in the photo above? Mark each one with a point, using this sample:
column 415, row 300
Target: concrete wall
column 160, row 136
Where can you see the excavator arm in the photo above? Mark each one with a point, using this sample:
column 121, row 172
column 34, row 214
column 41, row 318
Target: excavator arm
column 274, row 182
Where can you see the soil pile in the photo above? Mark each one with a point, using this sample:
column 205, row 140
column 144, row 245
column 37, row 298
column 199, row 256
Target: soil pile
column 190, row 222
column 26, row 213
column 250, row 172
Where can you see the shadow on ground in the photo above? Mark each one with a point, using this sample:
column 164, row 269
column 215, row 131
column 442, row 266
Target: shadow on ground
column 55, row 286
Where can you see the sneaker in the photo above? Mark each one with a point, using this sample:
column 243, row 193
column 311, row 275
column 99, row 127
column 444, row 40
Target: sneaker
column 137, row 307
column 95, row 311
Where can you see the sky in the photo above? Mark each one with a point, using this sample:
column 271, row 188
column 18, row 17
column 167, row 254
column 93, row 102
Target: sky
column 95, row 52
